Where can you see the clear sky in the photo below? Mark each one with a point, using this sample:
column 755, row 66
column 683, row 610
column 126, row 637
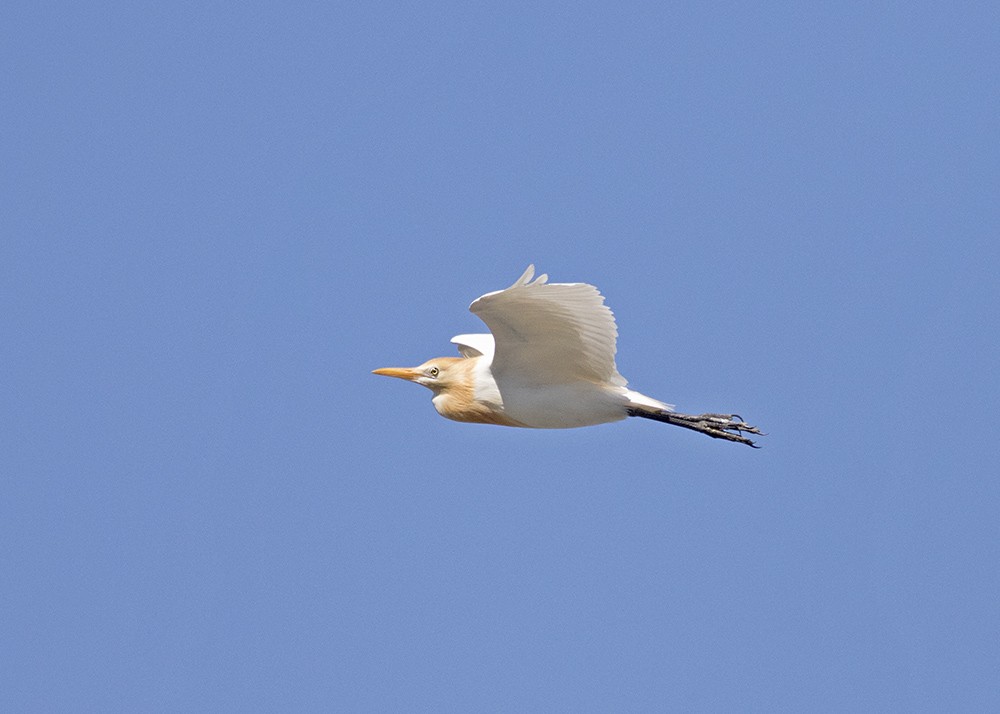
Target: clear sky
column 217, row 218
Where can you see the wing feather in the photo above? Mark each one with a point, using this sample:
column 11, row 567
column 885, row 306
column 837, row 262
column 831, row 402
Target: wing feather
column 474, row 345
column 550, row 333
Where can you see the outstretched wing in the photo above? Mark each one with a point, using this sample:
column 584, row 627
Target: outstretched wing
column 556, row 333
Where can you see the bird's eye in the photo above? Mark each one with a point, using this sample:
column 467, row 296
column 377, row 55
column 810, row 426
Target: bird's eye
column 433, row 371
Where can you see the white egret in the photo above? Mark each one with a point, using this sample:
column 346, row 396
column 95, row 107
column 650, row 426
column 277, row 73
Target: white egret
column 548, row 364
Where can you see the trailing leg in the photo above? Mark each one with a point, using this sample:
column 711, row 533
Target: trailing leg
column 718, row 426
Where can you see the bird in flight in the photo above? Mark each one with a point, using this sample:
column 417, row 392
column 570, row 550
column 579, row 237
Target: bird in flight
column 548, row 364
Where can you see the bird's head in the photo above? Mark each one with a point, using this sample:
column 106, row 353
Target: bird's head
column 436, row 374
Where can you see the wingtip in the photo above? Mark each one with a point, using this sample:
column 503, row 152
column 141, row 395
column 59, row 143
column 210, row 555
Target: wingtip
column 526, row 276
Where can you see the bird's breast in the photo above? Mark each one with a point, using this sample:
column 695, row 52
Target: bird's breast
column 460, row 406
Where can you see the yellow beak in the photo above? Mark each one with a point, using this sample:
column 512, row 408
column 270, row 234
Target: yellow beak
column 409, row 373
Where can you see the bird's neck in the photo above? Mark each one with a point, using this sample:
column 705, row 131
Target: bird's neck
column 460, row 400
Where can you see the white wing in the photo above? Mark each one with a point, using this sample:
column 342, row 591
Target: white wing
column 475, row 345
column 546, row 334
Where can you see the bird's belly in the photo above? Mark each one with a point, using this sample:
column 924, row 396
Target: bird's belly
column 562, row 406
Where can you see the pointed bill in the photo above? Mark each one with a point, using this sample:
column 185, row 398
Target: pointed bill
column 409, row 373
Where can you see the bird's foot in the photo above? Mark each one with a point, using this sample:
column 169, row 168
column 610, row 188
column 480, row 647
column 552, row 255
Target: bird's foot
column 718, row 426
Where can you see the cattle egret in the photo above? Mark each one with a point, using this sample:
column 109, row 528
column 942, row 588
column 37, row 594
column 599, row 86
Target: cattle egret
column 548, row 364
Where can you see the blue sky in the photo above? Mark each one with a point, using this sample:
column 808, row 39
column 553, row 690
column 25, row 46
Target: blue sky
column 218, row 218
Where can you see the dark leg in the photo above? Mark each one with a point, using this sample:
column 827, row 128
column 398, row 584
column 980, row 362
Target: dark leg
column 717, row 426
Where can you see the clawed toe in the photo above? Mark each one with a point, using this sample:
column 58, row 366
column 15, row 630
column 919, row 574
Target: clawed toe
column 729, row 427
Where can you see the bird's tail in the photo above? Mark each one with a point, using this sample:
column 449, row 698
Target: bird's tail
column 718, row 426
